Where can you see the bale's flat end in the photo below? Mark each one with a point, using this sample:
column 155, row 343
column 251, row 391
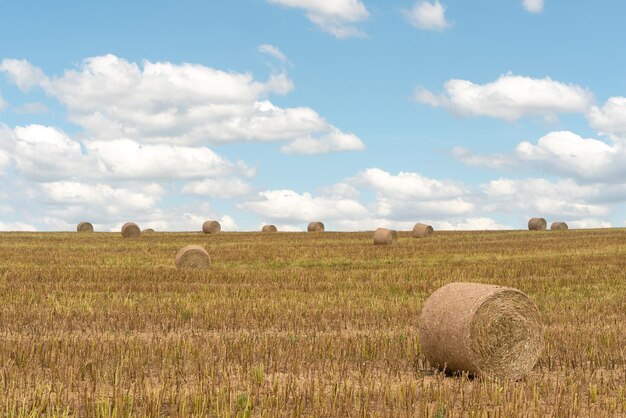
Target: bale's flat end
column 192, row 257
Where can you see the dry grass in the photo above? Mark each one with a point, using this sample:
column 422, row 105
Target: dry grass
column 296, row 324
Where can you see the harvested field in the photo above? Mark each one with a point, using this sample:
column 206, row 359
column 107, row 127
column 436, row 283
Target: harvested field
column 297, row 324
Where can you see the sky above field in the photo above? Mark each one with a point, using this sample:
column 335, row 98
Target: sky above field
column 358, row 113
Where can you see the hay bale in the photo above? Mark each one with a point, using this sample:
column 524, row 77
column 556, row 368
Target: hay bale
column 559, row 226
column 481, row 329
column 269, row 228
column 537, row 224
column 84, row 227
column 211, row 227
column 147, row 231
column 384, row 236
column 192, row 257
column 131, row 230
column 422, row 230
column 315, row 227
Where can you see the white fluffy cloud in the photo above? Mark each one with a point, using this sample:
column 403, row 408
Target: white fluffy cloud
column 102, row 195
column 406, row 185
column 399, row 200
column 43, row 153
column 337, row 17
column 563, row 198
column 533, row 6
column 570, row 155
column 610, row 119
column 428, row 15
column 22, row 73
column 510, row 97
column 185, row 104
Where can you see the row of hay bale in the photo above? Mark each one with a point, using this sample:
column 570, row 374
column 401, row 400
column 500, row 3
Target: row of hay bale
column 540, row 224
column 381, row 235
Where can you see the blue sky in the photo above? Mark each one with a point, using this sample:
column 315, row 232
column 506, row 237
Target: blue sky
column 466, row 115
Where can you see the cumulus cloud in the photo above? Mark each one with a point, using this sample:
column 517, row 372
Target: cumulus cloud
column 183, row 104
column 533, row 6
column 568, row 154
column 3, row 103
column 337, row 17
column 22, row 73
column 428, row 15
column 43, row 153
column 563, row 153
column 610, row 119
column 398, row 199
column 510, row 97
column 406, row 185
column 540, row 196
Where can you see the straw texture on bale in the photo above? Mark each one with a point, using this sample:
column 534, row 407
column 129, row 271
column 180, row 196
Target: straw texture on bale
column 84, row 227
column 421, row 230
column 211, row 227
column 269, row 228
column 384, row 236
column 481, row 329
column 130, row 230
column 537, row 224
column 148, row 231
column 315, row 227
column 559, row 226
column 192, row 257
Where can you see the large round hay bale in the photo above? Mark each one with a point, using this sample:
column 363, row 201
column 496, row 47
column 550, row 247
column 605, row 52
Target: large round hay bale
column 211, row 227
column 192, row 257
column 315, row 227
column 537, row 224
column 481, row 329
column 269, row 228
column 130, row 230
column 421, row 230
column 84, row 227
column 147, row 231
column 384, row 236
column 559, row 226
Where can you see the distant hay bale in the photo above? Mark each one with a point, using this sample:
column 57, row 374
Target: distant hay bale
column 269, row 228
column 481, row 329
column 421, row 230
column 559, row 226
column 211, row 227
column 148, row 231
column 130, row 230
column 84, row 227
column 315, row 227
column 537, row 224
column 384, row 236
column 192, row 257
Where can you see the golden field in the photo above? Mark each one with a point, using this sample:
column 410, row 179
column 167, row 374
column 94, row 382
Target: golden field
column 297, row 324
